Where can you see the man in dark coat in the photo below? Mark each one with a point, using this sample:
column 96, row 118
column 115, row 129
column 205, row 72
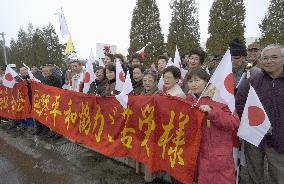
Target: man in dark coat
column 49, row 80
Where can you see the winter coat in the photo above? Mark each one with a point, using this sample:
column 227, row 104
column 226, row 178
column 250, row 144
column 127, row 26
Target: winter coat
column 98, row 87
column 238, row 72
column 176, row 91
column 270, row 92
column 215, row 159
column 52, row 81
column 110, row 89
column 137, row 87
column 152, row 92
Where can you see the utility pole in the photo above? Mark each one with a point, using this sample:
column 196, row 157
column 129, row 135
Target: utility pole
column 4, row 47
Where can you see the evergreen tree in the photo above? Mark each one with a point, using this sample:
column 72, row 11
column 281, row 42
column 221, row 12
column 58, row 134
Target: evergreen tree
column 226, row 22
column 36, row 47
column 22, row 47
column 145, row 27
column 272, row 26
column 55, row 49
column 184, row 26
column 39, row 52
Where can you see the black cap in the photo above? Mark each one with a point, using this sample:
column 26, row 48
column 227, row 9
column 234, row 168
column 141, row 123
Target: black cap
column 237, row 48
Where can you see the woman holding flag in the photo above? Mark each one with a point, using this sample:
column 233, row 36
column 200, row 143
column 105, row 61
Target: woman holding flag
column 215, row 160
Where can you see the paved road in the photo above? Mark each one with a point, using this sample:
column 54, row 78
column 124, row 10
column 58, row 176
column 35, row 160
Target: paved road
column 27, row 159
column 8, row 173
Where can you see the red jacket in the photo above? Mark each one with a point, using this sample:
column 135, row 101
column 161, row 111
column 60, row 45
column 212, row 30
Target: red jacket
column 215, row 160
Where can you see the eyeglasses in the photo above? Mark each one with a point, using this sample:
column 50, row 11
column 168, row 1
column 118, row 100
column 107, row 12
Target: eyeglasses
column 253, row 50
column 272, row 58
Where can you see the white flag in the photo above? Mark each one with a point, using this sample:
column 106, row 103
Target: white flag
column 67, row 85
column 161, row 83
column 31, row 75
column 177, row 61
column 63, row 26
column 223, row 82
column 9, row 77
column 92, row 57
column 120, row 76
column 170, row 62
column 101, row 63
column 90, row 74
column 254, row 123
column 127, row 88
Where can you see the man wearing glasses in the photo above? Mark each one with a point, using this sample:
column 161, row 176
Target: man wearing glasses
column 269, row 86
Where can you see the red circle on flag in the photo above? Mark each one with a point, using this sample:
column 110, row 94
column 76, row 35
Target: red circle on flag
column 256, row 115
column 87, row 77
column 121, row 76
column 9, row 77
column 229, row 83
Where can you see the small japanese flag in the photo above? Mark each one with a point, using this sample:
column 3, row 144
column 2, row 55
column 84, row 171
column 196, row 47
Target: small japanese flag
column 9, row 77
column 141, row 52
column 120, row 76
column 177, row 61
column 31, row 75
column 127, row 88
column 254, row 123
column 90, row 74
column 223, row 81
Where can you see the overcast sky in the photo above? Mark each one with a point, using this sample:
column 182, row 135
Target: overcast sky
column 105, row 21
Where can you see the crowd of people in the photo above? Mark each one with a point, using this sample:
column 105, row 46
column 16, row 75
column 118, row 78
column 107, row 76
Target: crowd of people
column 256, row 65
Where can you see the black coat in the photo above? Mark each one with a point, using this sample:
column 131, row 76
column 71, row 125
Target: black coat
column 52, row 81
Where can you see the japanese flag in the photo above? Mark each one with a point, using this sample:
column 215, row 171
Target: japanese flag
column 120, row 76
column 170, row 62
column 127, row 88
column 31, row 75
column 89, row 74
column 223, row 82
column 177, row 61
column 141, row 52
column 254, row 123
column 9, row 77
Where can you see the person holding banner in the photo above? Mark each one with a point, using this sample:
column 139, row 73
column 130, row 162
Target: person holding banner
column 137, row 83
column 269, row 86
column 110, row 86
column 215, row 161
column 99, row 85
column 78, row 77
column 150, row 83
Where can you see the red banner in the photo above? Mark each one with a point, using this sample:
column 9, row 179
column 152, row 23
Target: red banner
column 14, row 102
column 162, row 132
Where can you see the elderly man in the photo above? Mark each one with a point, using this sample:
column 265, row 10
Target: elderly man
column 78, row 77
column 269, row 86
column 50, row 80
